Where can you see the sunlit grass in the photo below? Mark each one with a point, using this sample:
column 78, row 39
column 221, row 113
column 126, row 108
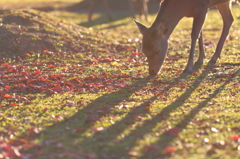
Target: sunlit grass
column 174, row 115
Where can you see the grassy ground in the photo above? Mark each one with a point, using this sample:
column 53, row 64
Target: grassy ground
column 87, row 96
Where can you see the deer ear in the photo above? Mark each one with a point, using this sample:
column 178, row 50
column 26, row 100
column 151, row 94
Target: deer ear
column 163, row 28
column 142, row 28
column 159, row 30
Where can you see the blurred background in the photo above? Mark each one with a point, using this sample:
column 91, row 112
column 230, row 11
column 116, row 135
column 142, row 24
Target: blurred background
column 78, row 11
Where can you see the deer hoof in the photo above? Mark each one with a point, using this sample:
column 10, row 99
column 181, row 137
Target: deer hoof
column 198, row 63
column 212, row 61
column 188, row 70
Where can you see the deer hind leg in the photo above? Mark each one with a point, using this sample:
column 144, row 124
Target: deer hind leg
column 145, row 9
column 198, row 21
column 131, row 5
column 105, row 2
column 139, row 4
column 92, row 6
column 225, row 11
column 201, row 50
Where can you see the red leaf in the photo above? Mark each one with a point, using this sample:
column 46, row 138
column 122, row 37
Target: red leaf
column 170, row 149
column 151, row 147
column 24, row 73
column 7, row 88
column 107, row 59
column 43, row 79
column 78, row 130
column 12, row 70
column 45, row 109
column 51, row 66
column 236, row 138
column 28, row 55
column 173, row 131
column 37, row 72
column 14, row 104
column 135, row 53
column 56, row 116
column 147, row 108
column 7, row 96
column 94, row 60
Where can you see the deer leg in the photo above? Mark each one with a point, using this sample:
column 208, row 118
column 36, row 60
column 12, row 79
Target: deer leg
column 145, row 9
column 201, row 50
column 131, row 5
column 140, row 7
column 198, row 21
column 92, row 6
column 225, row 11
column 105, row 2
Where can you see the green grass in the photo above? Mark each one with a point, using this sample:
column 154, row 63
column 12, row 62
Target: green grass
column 98, row 103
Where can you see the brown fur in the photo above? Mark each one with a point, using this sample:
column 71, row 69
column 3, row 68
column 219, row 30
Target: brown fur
column 155, row 38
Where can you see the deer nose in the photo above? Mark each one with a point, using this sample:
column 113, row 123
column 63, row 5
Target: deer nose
column 152, row 72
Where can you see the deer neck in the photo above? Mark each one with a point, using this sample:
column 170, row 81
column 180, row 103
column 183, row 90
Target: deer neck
column 168, row 17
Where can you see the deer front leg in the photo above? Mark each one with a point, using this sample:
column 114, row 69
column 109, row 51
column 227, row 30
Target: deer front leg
column 225, row 11
column 198, row 21
column 201, row 50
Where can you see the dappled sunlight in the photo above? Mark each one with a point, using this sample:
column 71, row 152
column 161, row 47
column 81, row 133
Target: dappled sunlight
column 88, row 94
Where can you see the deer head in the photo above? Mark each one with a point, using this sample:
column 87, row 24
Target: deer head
column 154, row 45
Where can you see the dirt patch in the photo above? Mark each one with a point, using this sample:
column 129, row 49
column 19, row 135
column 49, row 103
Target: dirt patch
column 25, row 31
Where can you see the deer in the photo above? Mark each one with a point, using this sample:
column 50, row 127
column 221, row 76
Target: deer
column 92, row 6
column 155, row 38
column 141, row 6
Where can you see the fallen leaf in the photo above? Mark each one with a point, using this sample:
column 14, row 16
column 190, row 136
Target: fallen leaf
column 235, row 138
column 173, row 131
column 170, row 149
column 7, row 96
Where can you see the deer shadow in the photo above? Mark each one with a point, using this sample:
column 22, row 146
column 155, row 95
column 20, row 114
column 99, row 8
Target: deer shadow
column 112, row 144
column 108, row 136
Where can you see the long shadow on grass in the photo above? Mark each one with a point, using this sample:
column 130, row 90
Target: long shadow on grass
column 81, row 120
column 114, row 147
column 165, row 139
column 85, row 119
column 120, row 147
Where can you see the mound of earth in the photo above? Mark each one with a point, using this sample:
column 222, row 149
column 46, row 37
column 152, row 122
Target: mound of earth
column 26, row 31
